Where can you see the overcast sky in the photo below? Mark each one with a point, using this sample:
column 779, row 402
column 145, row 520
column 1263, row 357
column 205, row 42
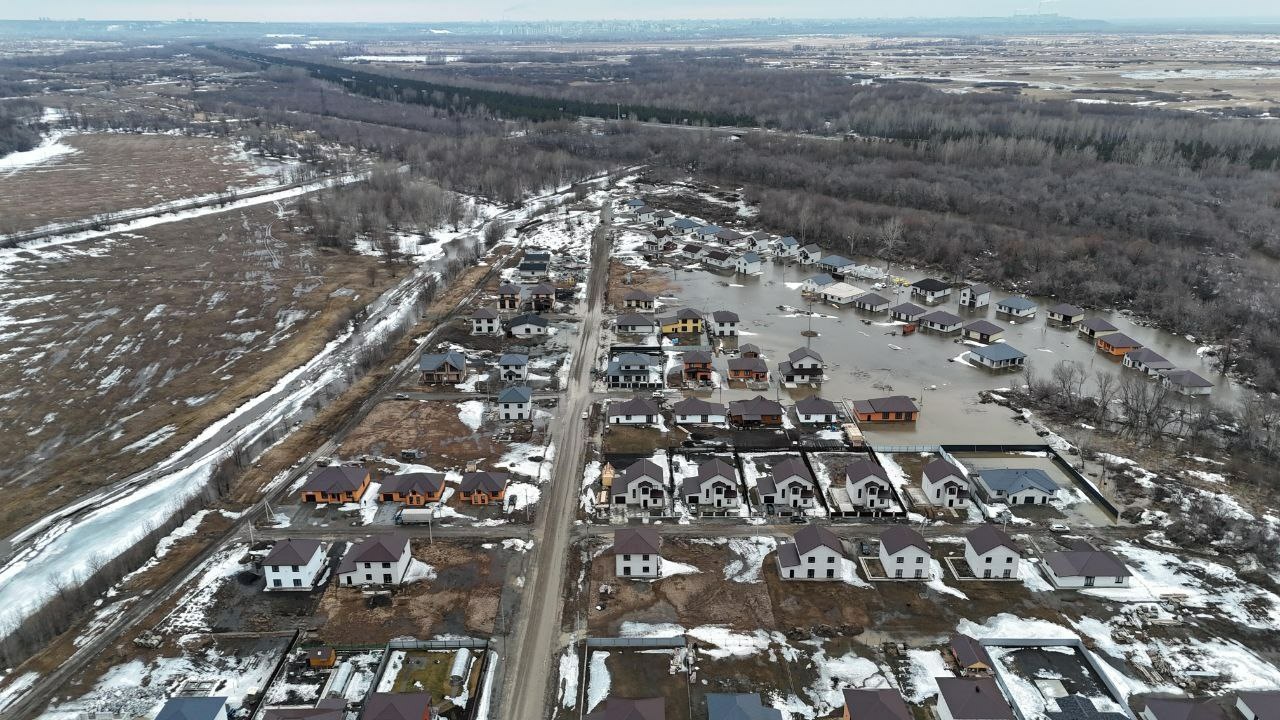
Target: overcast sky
column 437, row 11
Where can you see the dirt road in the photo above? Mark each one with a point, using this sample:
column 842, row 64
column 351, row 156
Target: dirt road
column 537, row 626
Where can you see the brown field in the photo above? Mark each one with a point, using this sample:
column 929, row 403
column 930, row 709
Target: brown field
column 651, row 281
column 114, row 172
column 462, row 599
column 140, row 332
column 430, row 426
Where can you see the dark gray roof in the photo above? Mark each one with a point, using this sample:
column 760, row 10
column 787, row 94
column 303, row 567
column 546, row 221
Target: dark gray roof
column 974, row 699
column 814, row 536
column 636, row 541
column 1097, row 324
column 1185, row 709
column 1086, row 563
column 870, row 298
column 739, row 706
column 1066, row 309
column 939, row 469
column 719, row 255
column 788, row 468
column 517, row 394
column 861, row 469
column 637, row 294
column 513, row 359
column 942, row 317
column 821, row 279
column 881, row 704
column 998, row 351
column 634, row 406
column 1016, row 302
column 528, row 319
column 684, row 223
column 379, row 548
column 483, row 481
column 397, row 706
column 986, row 327
column 984, row 538
column 969, row 652
column 893, row 403
column 696, row 356
column 979, row 288
column 715, row 467
column 634, row 319
column 542, row 289
column 748, row 347
column 484, row 314
column 899, row 537
column 421, row 483
column 635, row 358
column 1079, row 707
column 688, row 314
column 615, row 708
column 755, row 407
column 1185, row 378
column 908, row 309
column 508, row 289
column 697, row 406
column 801, row 353
column 788, row 555
column 1119, row 340
column 930, row 285
column 725, row 316
column 192, row 708
column 291, row 552
column 453, row 360
column 814, row 405
column 327, row 709
column 836, row 261
column 1015, row 480
column 1264, row 703
column 751, row 364
column 1150, row 358
column 335, row 479
column 635, row 471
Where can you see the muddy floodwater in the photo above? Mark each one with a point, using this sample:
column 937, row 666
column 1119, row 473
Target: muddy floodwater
column 867, row 355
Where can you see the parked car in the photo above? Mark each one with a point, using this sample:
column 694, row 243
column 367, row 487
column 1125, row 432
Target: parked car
column 1059, row 528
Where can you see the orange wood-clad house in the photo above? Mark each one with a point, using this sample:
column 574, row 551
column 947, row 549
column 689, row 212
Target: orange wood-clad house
column 322, row 657
column 412, row 489
column 896, row 408
column 1117, row 344
column 697, row 366
column 748, row 368
column 483, row 488
column 336, row 485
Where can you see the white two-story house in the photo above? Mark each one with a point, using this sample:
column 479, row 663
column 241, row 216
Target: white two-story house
column 293, row 565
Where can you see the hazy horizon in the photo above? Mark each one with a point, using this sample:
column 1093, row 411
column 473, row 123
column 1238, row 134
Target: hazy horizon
column 488, row 10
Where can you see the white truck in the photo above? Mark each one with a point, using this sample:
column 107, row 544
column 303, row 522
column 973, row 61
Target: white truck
column 415, row 516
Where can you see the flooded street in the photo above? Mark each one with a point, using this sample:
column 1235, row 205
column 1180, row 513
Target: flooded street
column 867, row 356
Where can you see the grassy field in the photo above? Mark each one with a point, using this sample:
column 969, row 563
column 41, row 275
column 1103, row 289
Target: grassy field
column 113, row 172
column 125, row 347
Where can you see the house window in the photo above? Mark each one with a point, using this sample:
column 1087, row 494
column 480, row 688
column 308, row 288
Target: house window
column 626, row 570
column 810, row 573
column 294, row 568
column 386, row 565
column 297, row 582
column 386, row 578
column 898, row 560
column 811, row 560
column 276, row 582
column 919, row 560
column 645, row 569
column 644, row 558
column 368, row 577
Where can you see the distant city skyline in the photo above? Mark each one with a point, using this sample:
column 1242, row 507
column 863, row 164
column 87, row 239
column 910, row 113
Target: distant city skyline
column 480, row 10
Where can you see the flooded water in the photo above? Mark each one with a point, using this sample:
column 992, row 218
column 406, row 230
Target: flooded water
column 867, row 356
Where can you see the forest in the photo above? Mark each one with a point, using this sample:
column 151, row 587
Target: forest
column 17, row 132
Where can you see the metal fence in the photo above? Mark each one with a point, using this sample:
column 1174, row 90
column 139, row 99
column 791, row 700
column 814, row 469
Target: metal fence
column 676, row 641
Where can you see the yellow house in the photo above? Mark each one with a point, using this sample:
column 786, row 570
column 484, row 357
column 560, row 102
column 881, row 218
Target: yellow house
column 684, row 321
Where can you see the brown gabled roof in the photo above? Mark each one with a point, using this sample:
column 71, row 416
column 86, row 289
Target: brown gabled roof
column 974, row 699
column 697, row 406
column 634, row 406
column 407, row 483
column 1185, row 709
column 757, row 406
column 882, row 704
column 893, row 403
column 397, row 706
column 985, row 327
column 615, row 708
column 1119, row 340
column 636, row 541
column 900, row 537
column 814, row 536
column 1263, row 703
column 637, row 294
column 859, row 470
column 379, row 548
column 1086, row 563
column 490, row 482
column 938, row 469
column 969, row 652
column 1066, row 309
column 984, row 538
column 509, row 289
column 291, row 552
column 750, row 364
column 335, row 479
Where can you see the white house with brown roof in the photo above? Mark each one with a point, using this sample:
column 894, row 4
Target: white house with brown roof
column 868, row 485
column 971, row 699
column 293, row 564
column 945, row 485
column 637, row 553
column 713, row 487
column 991, row 553
column 379, row 560
column 788, row 484
column 1085, row 567
column 641, row 486
column 485, row 322
column 904, row 554
column 815, row 553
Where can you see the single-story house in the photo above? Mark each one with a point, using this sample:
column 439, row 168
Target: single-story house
column 815, row 553
column 837, row 264
column 615, row 708
column 759, row 410
column 998, row 356
column 293, row 564
column 336, row 484
column 983, row 331
column 895, row 408
column 725, row 323
column 748, row 368
column 684, row 321
column 975, row 295
column 905, row 554
column 509, row 297
column 485, row 322
column 802, row 365
column 528, row 325
column 739, row 706
column 636, row 411
column 907, row 312
column 696, row 411
column 749, row 350
column 483, row 487
column 323, row 657
column 868, row 485
column 1095, row 327
column 638, row 300
column 788, row 484
column 1085, row 567
column 1015, row 486
column 513, row 367
column 707, row 232
column 515, row 403
column 971, row 699
column 637, row 552
column 931, row 291
column 730, row 237
column 1186, row 382
column 1259, row 704
column 715, row 486
column 1182, row 709
column 839, row 293
column 443, row 368
column 691, row 251
column 641, row 485
column 397, row 706
column 1016, row 306
column 878, row 704
column 749, row 263
column 720, row 260
column 1117, row 343
column 814, row 284
column 942, row 321
column 193, row 708
column 683, row 226
column 1147, row 361
column 413, row 489
column 991, row 553
column 970, row 656
column 634, row 324
column 871, row 302
column 1065, row 313
column 814, row 410
column 379, row 560
column 945, row 485
column 696, row 366
column 633, row 204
